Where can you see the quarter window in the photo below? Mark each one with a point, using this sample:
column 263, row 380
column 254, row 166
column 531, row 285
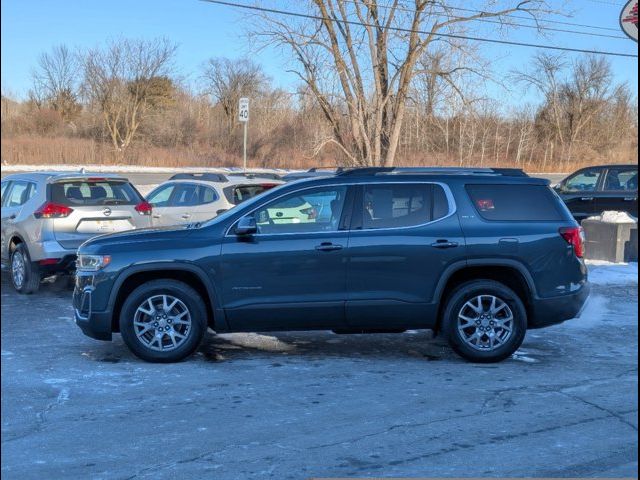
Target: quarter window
column 307, row 211
column 515, row 202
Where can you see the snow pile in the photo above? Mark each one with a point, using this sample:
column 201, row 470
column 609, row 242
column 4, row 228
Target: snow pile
column 611, row 216
column 606, row 273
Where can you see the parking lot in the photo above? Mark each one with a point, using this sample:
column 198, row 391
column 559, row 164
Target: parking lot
column 301, row 405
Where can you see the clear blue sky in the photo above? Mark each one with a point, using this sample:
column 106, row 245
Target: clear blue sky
column 205, row 30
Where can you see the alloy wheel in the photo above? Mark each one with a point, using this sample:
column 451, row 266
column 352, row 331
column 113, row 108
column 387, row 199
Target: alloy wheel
column 18, row 269
column 162, row 323
column 485, row 322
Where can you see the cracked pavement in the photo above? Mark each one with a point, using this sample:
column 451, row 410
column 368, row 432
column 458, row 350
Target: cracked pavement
column 315, row 404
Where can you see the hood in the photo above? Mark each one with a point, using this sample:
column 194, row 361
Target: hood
column 132, row 237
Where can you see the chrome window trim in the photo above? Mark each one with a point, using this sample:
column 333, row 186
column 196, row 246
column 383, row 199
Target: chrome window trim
column 453, row 208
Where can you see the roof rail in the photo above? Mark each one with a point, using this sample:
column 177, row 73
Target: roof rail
column 269, row 175
column 212, row 177
column 319, row 169
column 507, row 172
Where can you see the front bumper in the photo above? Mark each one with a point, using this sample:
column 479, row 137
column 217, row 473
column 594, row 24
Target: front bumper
column 550, row 311
column 93, row 324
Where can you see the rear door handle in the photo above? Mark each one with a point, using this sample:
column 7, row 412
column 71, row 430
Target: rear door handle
column 444, row 244
column 186, row 216
column 586, row 199
column 630, row 199
column 328, row 247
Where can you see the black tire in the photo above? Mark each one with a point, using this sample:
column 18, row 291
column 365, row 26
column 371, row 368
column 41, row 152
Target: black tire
column 30, row 278
column 189, row 298
column 469, row 292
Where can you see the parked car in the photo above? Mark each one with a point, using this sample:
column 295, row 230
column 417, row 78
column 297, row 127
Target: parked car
column 198, row 197
column 477, row 255
column 593, row 190
column 47, row 215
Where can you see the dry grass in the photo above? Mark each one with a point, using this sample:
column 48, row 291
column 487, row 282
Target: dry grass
column 38, row 150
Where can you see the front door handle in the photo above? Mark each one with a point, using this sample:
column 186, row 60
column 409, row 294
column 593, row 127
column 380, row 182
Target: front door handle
column 444, row 244
column 328, row 247
column 186, row 216
column 586, row 199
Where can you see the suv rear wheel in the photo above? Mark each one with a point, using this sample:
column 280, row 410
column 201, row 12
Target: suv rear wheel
column 163, row 321
column 25, row 275
column 484, row 321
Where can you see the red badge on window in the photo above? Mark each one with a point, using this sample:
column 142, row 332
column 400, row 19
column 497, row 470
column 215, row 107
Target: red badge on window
column 485, row 204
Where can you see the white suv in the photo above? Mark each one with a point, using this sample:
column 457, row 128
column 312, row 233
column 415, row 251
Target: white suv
column 198, row 197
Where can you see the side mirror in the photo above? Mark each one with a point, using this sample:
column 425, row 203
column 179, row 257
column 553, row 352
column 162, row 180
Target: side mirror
column 246, row 226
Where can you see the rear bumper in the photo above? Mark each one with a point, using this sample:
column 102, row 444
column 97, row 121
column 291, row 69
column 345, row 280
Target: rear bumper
column 93, row 324
column 550, row 311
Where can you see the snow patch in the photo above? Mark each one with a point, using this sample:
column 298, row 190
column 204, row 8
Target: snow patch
column 607, row 273
column 128, row 169
column 611, row 216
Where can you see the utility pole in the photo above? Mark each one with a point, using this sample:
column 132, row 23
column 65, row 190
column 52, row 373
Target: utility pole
column 243, row 116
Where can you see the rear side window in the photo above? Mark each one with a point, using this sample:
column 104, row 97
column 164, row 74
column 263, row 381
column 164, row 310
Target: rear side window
column 188, row 194
column 621, row 180
column 515, row 202
column 245, row 192
column 19, row 193
column 402, row 205
column 83, row 193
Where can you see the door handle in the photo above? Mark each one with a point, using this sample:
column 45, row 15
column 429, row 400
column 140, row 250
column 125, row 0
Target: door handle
column 156, row 215
column 630, row 199
column 444, row 244
column 328, row 247
column 586, row 199
column 186, row 216
column 12, row 216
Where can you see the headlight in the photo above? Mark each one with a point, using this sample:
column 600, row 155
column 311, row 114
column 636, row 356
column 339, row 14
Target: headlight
column 92, row 263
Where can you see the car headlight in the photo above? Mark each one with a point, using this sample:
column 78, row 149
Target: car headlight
column 92, row 263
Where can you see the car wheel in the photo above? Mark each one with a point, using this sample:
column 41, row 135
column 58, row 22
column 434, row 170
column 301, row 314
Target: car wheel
column 25, row 275
column 163, row 321
column 484, row 321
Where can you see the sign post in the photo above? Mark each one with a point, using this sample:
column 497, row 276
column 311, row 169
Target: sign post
column 243, row 116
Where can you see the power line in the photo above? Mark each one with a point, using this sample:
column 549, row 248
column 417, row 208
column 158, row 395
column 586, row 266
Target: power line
column 498, row 22
column 408, row 30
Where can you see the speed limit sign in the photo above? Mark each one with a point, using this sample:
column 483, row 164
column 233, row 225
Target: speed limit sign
column 243, row 110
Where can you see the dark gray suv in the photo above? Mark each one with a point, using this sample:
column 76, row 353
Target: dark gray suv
column 477, row 255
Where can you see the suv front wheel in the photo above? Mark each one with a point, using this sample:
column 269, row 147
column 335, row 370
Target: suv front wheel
column 163, row 321
column 484, row 321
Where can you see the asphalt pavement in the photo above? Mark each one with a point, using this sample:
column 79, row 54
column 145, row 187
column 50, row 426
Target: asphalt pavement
column 315, row 404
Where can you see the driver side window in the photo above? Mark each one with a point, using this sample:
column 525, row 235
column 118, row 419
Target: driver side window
column 305, row 211
column 161, row 197
column 584, row 181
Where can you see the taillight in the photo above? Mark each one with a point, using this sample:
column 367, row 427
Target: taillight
column 267, row 186
column 52, row 210
column 574, row 237
column 144, row 208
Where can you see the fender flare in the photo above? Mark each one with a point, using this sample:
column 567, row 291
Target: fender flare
column 218, row 313
column 483, row 262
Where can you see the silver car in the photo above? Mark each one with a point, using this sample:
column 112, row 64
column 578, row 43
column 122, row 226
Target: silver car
column 198, row 197
column 46, row 216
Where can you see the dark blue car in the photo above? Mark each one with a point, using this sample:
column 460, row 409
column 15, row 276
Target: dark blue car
column 479, row 256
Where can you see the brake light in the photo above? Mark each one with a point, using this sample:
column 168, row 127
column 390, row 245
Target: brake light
column 574, row 237
column 52, row 210
column 48, row 261
column 144, row 208
column 96, row 179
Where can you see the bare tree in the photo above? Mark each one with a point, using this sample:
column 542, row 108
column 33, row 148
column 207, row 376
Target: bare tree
column 228, row 80
column 55, row 82
column 124, row 81
column 359, row 58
